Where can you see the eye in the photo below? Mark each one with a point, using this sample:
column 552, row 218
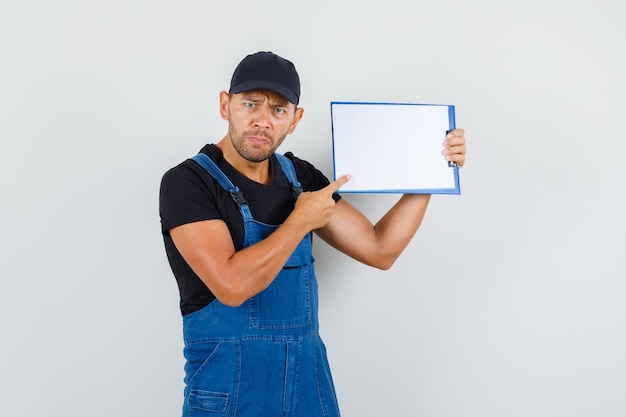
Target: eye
column 249, row 104
column 279, row 110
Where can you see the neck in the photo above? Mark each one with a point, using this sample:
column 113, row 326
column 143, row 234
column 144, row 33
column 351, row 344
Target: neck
column 256, row 171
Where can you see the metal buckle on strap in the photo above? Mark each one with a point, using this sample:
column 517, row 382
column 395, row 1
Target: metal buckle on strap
column 237, row 195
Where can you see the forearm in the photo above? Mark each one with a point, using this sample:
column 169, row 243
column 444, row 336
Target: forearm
column 235, row 276
column 394, row 231
column 252, row 269
column 350, row 232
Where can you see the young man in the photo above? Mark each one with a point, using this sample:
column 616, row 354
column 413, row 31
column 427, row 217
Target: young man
column 237, row 221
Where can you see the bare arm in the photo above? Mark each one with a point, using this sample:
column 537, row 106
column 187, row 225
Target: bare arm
column 233, row 277
column 376, row 245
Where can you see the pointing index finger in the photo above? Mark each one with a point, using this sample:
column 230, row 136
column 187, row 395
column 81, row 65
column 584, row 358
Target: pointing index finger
column 338, row 183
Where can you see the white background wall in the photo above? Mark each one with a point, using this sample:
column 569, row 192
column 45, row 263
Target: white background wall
column 509, row 302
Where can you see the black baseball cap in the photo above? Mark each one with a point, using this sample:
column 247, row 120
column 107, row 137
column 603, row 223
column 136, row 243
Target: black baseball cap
column 267, row 71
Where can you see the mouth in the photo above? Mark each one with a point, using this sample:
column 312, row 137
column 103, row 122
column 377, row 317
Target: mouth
column 259, row 139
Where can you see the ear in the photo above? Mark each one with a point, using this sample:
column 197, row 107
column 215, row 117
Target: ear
column 296, row 118
column 224, row 100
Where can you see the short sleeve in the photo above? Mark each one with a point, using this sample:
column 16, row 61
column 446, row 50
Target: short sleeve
column 185, row 197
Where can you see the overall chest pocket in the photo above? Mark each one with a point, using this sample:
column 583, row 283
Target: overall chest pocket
column 286, row 303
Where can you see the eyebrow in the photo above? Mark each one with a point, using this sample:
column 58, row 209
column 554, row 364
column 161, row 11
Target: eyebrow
column 251, row 97
column 280, row 103
column 275, row 100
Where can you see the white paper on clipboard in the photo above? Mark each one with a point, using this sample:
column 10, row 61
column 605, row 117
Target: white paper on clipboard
column 393, row 147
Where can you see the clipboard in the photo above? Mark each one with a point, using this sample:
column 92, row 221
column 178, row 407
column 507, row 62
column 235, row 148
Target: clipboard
column 393, row 147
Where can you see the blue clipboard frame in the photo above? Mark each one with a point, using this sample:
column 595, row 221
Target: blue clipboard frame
column 354, row 149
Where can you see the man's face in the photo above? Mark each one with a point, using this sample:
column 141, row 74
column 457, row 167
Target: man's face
column 258, row 122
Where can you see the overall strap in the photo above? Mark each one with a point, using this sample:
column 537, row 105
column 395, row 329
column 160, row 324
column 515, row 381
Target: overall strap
column 205, row 162
column 290, row 173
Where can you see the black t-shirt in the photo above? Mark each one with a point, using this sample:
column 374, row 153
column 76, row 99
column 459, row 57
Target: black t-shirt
column 190, row 194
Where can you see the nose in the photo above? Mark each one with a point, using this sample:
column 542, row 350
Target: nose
column 262, row 119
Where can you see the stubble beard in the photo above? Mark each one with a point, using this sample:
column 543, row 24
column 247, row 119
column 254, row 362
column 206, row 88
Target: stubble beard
column 253, row 153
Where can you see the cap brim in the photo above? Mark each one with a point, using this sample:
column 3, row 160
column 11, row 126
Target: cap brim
column 266, row 85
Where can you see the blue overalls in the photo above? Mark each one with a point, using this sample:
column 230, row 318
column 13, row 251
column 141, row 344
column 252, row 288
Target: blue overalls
column 264, row 358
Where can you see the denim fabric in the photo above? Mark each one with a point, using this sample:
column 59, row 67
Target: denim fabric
column 264, row 358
